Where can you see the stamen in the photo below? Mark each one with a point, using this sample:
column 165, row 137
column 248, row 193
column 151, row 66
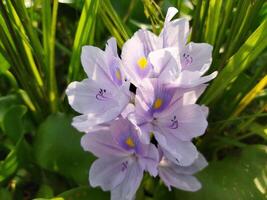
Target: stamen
column 142, row 63
column 158, row 103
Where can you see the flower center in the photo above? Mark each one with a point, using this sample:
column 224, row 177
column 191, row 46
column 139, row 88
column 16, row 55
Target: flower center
column 129, row 141
column 118, row 74
column 142, row 63
column 158, row 103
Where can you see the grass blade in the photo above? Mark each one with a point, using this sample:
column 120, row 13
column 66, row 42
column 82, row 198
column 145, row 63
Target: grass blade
column 84, row 35
column 248, row 52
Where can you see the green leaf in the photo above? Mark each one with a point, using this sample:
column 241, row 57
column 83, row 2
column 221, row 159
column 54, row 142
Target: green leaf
column 14, row 116
column 248, row 52
column 242, row 176
column 8, row 166
column 5, row 103
column 5, row 194
column 4, row 65
column 84, row 35
column 114, row 23
column 81, row 193
column 85, row 193
column 57, row 148
column 45, row 191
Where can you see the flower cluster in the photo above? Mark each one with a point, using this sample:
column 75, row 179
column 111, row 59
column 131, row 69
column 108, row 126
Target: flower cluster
column 150, row 127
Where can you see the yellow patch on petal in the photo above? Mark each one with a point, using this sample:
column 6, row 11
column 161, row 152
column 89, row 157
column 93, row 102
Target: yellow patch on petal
column 118, row 74
column 129, row 141
column 142, row 63
column 158, row 103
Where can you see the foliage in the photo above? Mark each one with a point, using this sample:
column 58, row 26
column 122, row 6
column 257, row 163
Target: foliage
column 40, row 46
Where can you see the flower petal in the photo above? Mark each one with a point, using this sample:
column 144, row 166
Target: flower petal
column 101, row 143
column 150, row 159
column 196, row 57
column 111, row 47
column 127, row 189
column 171, row 12
column 185, row 122
column 165, row 65
column 135, row 55
column 108, row 172
column 85, row 97
column 180, row 152
column 175, row 33
column 95, row 63
column 193, row 78
column 180, row 181
column 199, row 164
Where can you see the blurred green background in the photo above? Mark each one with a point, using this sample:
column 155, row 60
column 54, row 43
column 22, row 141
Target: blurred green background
column 40, row 46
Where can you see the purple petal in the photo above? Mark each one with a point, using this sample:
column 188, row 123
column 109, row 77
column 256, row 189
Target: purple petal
column 89, row 96
column 125, row 134
column 111, row 47
column 102, row 144
column 180, row 181
column 95, row 63
column 170, row 14
column 175, row 33
column 195, row 56
column 189, row 79
column 135, row 58
column 166, row 66
column 108, row 172
column 150, row 159
column 185, row 122
column 181, row 152
column 127, row 189
column 199, row 164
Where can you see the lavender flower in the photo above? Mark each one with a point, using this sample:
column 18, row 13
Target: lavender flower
column 122, row 159
column 96, row 97
column 181, row 177
column 192, row 60
column 120, row 126
column 160, row 109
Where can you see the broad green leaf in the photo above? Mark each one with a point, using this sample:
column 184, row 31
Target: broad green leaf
column 5, row 103
column 45, row 191
column 57, row 148
column 14, row 116
column 248, row 52
column 81, row 193
column 242, row 175
column 85, row 193
column 5, row 194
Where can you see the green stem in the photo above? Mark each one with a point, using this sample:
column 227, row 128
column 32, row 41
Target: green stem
column 52, row 85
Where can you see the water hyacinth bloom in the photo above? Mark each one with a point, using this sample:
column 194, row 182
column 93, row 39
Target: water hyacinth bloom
column 96, row 97
column 193, row 60
column 122, row 159
column 120, row 126
column 160, row 109
column 181, row 177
